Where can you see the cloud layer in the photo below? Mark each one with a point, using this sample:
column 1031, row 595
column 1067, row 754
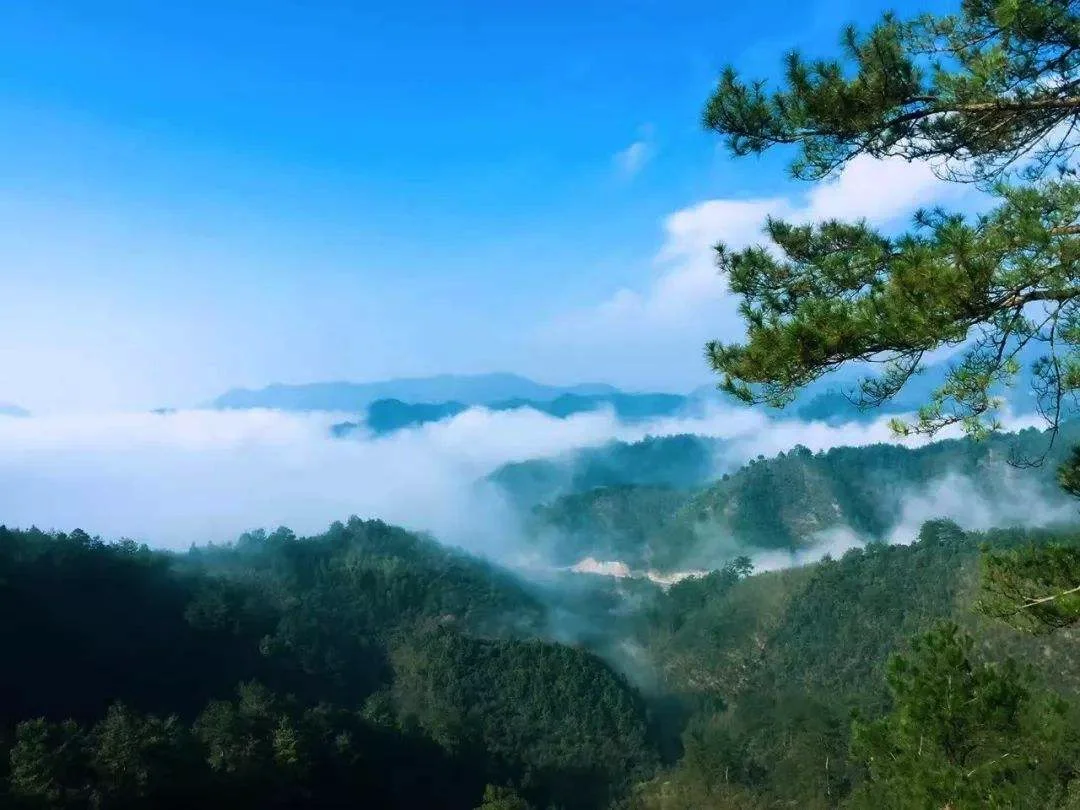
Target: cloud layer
column 200, row 476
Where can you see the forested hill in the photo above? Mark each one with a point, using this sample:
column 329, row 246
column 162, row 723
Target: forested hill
column 285, row 672
column 777, row 665
column 369, row 661
column 679, row 462
column 647, row 504
column 371, row 665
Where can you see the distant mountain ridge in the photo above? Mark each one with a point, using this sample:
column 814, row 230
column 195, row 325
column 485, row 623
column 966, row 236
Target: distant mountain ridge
column 407, row 402
column 416, row 400
column 472, row 389
column 388, row 415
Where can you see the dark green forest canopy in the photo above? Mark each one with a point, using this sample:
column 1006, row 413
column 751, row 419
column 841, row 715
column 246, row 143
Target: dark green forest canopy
column 296, row 672
column 368, row 661
column 990, row 94
column 776, row 663
column 965, row 733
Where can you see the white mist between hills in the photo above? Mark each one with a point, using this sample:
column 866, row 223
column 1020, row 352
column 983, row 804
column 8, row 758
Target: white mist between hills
column 201, row 476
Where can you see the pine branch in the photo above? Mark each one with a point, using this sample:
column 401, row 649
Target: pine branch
column 1045, row 599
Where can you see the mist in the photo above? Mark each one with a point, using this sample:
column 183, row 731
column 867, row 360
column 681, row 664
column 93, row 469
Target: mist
column 1009, row 498
column 199, row 476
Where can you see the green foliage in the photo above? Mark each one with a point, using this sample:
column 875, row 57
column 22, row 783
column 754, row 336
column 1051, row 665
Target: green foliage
column 789, row 501
column 371, row 662
column 1035, row 589
column 1068, row 473
column 606, row 523
column 502, row 798
column 536, row 708
column 48, row 764
column 135, row 757
column 865, row 605
column 972, row 93
column 984, row 86
column 296, row 672
column 675, row 462
column 774, row 664
column 69, row 598
column 963, row 734
column 759, row 673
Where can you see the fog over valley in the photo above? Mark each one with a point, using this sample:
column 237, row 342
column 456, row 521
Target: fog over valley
column 180, row 477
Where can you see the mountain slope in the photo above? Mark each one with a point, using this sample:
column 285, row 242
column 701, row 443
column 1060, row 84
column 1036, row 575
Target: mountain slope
column 606, row 523
column 297, row 672
column 785, row 502
column 583, row 505
column 369, row 661
column 678, row 462
column 774, row 664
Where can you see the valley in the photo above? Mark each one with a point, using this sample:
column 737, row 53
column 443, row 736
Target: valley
column 285, row 661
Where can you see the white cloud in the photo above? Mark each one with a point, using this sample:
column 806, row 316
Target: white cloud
column 688, row 300
column 1013, row 499
column 198, row 476
column 632, row 159
column 833, row 543
column 1016, row 500
column 880, row 191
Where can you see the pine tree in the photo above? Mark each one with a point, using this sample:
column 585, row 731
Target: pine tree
column 1034, row 588
column 963, row 734
column 990, row 95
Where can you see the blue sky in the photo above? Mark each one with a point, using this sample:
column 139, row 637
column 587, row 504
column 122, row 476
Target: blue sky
column 200, row 195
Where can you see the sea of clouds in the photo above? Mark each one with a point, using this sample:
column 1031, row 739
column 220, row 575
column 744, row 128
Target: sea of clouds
column 198, row 476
